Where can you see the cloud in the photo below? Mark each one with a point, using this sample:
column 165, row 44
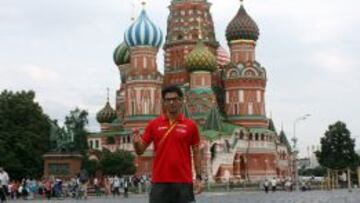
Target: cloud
column 41, row 74
column 333, row 61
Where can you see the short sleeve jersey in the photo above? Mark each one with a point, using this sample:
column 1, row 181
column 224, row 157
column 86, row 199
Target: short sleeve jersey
column 172, row 155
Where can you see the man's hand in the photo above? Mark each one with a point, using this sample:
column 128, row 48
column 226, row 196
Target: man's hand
column 198, row 187
column 136, row 136
column 139, row 146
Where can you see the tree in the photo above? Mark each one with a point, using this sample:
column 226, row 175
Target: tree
column 118, row 163
column 24, row 134
column 337, row 149
column 91, row 166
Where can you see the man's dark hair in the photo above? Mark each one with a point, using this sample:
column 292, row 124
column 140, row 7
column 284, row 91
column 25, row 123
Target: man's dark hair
column 170, row 89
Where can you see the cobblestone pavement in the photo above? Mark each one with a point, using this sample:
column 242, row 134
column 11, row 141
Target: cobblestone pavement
column 341, row 196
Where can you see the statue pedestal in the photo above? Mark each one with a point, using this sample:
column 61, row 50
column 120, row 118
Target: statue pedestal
column 62, row 165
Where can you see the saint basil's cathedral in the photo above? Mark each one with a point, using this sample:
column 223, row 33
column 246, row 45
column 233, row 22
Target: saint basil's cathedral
column 224, row 93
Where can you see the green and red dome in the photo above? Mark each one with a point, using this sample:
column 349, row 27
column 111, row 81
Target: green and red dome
column 106, row 114
column 121, row 54
column 200, row 59
column 242, row 26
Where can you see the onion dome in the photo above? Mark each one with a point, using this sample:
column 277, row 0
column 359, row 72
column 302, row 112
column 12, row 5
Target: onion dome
column 143, row 32
column 242, row 26
column 106, row 115
column 121, row 54
column 223, row 56
column 200, row 59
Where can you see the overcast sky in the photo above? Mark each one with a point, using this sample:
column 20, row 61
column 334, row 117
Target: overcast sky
column 310, row 49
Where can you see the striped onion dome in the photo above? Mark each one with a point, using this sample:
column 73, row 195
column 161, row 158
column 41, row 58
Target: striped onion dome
column 106, row 114
column 242, row 26
column 223, row 56
column 143, row 32
column 121, row 54
column 200, row 59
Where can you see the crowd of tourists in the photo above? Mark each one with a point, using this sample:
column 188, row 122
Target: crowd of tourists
column 77, row 187
column 277, row 184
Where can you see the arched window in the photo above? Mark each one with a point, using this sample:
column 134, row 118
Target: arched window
column 233, row 74
column 250, row 73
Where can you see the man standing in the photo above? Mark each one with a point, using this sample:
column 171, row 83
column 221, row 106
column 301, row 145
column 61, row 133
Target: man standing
column 4, row 181
column 273, row 184
column 266, row 185
column 173, row 137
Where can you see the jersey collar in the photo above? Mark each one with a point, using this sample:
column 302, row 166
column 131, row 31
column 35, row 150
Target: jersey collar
column 180, row 117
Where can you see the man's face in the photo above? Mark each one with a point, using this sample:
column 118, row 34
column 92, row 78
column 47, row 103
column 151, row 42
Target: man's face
column 172, row 103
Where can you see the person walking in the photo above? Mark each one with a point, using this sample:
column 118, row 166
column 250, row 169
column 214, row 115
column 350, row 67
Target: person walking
column 4, row 181
column 174, row 137
column 266, row 185
column 273, row 184
column 97, row 187
column 116, row 186
column 126, row 187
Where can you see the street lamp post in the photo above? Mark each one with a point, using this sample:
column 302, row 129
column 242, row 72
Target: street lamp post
column 295, row 149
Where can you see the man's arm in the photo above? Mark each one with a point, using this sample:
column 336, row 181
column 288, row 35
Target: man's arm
column 138, row 143
column 198, row 185
column 197, row 160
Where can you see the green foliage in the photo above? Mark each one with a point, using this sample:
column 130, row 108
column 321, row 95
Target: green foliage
column 117, row 163
column 337, row 148
column 24, row 134
column 91, row 166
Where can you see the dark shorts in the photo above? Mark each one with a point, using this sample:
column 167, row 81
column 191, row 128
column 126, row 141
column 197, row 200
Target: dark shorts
column 172, row 193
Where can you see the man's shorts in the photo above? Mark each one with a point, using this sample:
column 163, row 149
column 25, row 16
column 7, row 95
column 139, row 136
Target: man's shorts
column 172, row 193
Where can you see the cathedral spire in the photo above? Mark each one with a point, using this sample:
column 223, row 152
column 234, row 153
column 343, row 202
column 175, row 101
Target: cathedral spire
column 133, row 12
column 179, row 43
column 107, row 94
column 143, row 3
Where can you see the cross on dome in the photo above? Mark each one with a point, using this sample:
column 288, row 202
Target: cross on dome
column 143, row 3
column 108, row 93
